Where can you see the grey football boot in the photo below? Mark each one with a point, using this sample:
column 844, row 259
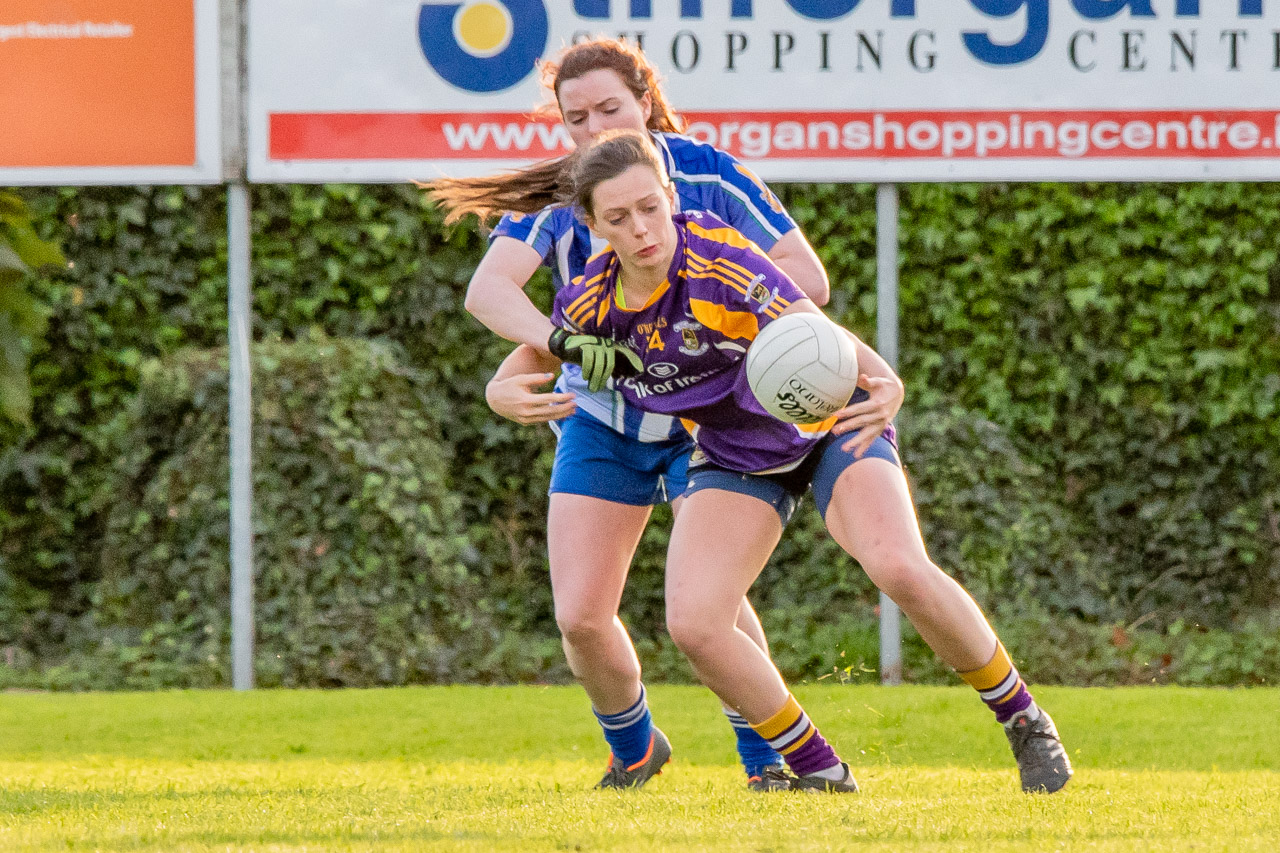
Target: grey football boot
column 620, row 776
column 814, row 783
column 1042, row 759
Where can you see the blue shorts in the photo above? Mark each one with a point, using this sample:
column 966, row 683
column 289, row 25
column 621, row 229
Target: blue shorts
column 599, row 462
column 819, row 470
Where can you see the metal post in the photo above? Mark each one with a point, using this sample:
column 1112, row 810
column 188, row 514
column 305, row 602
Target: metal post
column 240, row 393
column 887, row 346
column 239, row 335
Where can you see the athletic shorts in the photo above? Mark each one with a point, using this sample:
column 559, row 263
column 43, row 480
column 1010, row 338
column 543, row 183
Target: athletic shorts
column 599, row 462
column 819, row 471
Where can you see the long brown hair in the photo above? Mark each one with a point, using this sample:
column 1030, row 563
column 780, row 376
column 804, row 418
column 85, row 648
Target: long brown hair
column 607, row 157
column 532, row 188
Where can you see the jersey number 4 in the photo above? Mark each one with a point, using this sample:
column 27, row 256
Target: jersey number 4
column 655, row 341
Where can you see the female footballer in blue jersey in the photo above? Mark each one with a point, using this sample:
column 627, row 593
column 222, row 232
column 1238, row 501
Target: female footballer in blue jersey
column 613, row 460
column 686, row 296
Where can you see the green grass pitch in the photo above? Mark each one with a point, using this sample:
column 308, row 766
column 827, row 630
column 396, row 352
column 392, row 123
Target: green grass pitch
column 511, row 768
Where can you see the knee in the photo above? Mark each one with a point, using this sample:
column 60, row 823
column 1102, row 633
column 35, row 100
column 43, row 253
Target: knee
column 693, row 632
column 582, row 627
column 909, row 579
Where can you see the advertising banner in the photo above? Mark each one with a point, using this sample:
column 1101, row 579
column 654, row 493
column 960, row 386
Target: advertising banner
column 109, row 92
column 848, row 90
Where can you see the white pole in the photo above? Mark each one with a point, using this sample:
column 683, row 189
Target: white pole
column 239, row 335
column 239, row 322
column 887, row 346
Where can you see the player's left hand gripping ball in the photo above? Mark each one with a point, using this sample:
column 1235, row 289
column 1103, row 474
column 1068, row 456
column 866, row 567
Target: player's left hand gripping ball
column 601, row 358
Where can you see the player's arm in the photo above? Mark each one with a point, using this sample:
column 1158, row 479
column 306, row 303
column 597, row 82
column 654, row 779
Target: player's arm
column 513, row 390
column 754, row 210
column 795, row 257
column 883, row 386
column 496, row 294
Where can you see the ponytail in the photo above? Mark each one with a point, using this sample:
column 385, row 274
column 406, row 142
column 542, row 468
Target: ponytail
column 526, row 190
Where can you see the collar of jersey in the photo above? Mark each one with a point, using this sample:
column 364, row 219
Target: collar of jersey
column 653, row 297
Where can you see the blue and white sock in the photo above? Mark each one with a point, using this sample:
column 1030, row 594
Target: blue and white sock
column 629, row 732
column 755, row 752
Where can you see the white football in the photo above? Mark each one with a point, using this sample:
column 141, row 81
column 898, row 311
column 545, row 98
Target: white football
column 802, row 368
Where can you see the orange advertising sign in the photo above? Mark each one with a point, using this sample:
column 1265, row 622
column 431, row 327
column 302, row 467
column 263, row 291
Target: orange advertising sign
column 97, row 83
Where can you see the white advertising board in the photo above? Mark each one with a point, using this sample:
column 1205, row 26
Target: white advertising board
column 109, row 92
column 847, row 90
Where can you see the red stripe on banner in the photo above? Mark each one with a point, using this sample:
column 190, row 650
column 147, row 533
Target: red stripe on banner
column 412, row 136
column 783, row 135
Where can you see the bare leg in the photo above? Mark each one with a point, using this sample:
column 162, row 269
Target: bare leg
column 719, row 544
column 748, row 621
column 588, row 573
column 871, row 516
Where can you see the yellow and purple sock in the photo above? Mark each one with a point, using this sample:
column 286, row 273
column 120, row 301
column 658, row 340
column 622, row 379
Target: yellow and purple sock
column 1000, row 686
column 755, row 752
column 628, row 733
column 791, row 733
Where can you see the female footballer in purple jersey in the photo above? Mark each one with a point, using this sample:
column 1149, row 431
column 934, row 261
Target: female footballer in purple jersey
column 613, row 462
column 688, row 295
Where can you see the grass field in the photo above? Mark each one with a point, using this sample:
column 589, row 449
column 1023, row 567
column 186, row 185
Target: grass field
column 476, row 768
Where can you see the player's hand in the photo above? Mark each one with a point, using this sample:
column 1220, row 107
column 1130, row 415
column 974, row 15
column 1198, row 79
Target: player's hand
column 870, row 417
column 518, row 399
column 600, row 357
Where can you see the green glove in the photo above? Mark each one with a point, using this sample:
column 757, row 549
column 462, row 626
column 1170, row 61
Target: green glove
column 600, row 357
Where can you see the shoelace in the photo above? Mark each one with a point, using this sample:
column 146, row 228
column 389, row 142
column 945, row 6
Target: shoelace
column 1024, row 734
column 617, row 774
column 776, row 774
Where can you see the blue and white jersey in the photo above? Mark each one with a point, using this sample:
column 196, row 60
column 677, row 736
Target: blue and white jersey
column 706, row 179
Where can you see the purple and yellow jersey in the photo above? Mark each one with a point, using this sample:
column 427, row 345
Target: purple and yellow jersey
column 692, row 335
column 706, row 179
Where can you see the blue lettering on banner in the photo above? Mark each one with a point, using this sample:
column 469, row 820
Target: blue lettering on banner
column 823, row 10
column 1100, row 9
column 488, row 46
column 827, row 10
column 979, row 43
column 1031, row 43
column 1248, row 8
column 599, row 9
column 818, row 10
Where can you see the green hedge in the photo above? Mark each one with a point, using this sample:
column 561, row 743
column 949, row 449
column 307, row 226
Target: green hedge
column 1093, row 373
column 1128, row 338
column 358, row 535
